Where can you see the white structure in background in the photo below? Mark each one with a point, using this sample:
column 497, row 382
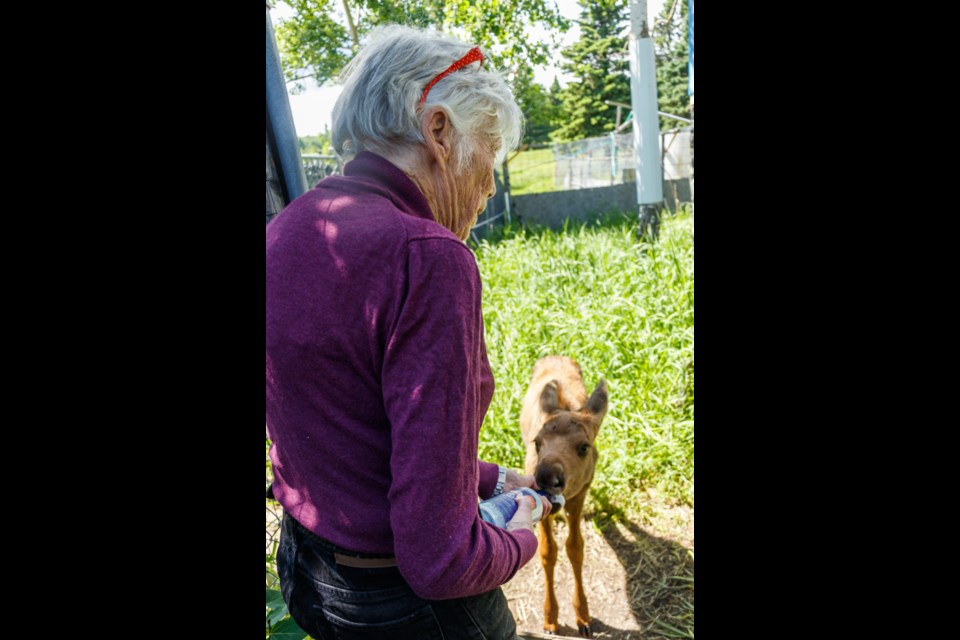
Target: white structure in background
column 646, row 124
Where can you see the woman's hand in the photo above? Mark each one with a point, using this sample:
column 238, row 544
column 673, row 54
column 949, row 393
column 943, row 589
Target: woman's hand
column 547, row 506
column 514, row 481
column 523, row 518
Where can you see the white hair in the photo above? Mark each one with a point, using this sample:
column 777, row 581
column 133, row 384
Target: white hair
column 379, row 111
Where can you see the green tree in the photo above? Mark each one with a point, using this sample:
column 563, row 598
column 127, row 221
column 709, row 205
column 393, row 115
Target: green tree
column 539, row 111
column 319, row 143
column 670, row 44
column 324, row 34
column 598, row 60
column 555, row 98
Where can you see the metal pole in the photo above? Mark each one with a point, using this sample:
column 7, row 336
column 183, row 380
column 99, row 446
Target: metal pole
column 670, row 115
column 646, row 126
column 280, row 123
column 613, row 157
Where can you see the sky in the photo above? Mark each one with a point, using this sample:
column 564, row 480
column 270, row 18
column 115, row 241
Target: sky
column 311, row 109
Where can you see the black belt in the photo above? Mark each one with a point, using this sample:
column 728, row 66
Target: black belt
column 364, row 563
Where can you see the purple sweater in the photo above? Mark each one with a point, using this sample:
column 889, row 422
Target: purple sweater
column 378, row 381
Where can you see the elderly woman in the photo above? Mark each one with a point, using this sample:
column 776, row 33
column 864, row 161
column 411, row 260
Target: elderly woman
column 377, row 372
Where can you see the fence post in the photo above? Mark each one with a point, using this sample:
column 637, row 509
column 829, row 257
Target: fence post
column 613, row 157
column 506, row 192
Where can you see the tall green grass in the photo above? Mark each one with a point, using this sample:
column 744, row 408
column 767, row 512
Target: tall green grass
column 624, row 310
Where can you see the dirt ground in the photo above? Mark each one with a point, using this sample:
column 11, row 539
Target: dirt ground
column 638, row 578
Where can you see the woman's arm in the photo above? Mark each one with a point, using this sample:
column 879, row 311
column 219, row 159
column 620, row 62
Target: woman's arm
column 432, row 377
column 489, row 479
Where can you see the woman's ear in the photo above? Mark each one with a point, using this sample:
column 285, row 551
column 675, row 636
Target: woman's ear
column 438, row 135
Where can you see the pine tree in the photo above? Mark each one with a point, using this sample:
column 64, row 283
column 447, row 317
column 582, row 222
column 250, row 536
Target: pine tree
column 598, row 60
column 538, row 109
column 670, row 43
column 555, row 100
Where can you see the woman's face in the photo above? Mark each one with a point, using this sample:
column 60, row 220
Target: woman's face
column 479, row 186
column 460, row 194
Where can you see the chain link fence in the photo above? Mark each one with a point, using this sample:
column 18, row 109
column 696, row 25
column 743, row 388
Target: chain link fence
column 676, row 154
column 676, row 158
column 593, row 162
column 317, row 167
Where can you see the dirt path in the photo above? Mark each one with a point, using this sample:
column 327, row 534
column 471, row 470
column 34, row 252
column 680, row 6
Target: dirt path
column 638, row 579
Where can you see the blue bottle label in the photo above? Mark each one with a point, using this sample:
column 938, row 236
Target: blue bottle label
column 500, row 509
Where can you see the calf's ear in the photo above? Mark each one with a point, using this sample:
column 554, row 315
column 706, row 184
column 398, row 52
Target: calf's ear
column 597, row 404
column 549, row 400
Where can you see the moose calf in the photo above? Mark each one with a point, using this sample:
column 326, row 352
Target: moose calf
column 559, row 427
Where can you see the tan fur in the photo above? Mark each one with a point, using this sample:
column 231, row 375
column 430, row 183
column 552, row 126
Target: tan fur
column 558, row 415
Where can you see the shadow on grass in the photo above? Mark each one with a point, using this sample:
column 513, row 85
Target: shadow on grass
column 659, row 578
column 639, row 584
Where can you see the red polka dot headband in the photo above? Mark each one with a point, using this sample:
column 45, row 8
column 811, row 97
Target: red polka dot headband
column 472, row 56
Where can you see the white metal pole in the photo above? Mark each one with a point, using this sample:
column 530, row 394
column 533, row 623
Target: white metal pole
column 646, row 126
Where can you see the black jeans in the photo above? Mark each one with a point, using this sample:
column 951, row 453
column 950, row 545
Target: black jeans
column 330, row 600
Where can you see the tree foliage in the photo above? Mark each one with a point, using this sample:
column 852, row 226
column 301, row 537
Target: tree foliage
column 599, row 62
column 323, row 35
column 670, row 43
column 319, row 143
column 541, row 111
